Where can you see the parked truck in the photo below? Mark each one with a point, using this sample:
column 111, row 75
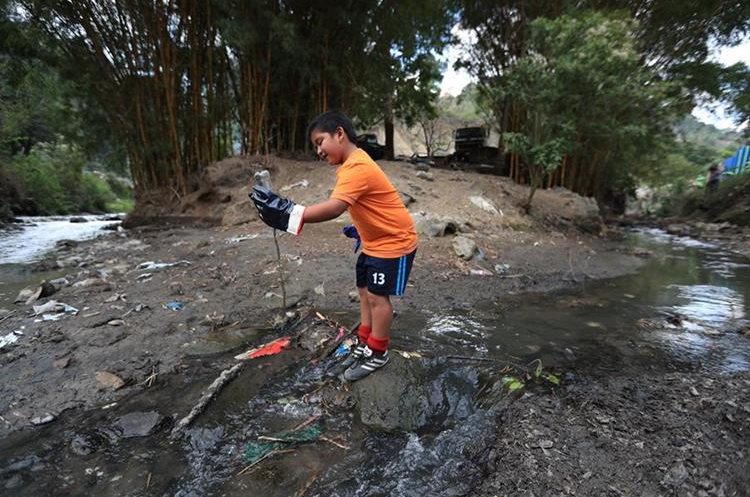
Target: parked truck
column 476, row 145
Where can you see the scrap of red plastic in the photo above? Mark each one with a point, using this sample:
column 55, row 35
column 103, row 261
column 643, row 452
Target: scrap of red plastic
column 271, row 348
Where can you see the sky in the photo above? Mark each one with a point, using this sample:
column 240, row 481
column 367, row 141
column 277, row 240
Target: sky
column 710, row 113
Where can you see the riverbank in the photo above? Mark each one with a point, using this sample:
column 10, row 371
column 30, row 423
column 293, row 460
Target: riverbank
column 162, row 311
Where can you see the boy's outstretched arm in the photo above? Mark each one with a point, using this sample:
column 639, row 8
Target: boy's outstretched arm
column 283, row 214
column 324, row 211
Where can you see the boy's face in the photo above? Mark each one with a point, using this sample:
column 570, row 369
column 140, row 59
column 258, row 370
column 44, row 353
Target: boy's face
column 330, row 147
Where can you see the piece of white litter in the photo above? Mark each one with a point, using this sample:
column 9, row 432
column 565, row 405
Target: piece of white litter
column 241, row 238
column 158, row 266
column 299, row 184
column 8, row 339
column 485, row 205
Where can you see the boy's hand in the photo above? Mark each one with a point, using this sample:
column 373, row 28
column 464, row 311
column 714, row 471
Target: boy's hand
column 277, row 212
column 350, row 231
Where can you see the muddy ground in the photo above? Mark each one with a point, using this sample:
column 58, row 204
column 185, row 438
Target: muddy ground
column 657, row 432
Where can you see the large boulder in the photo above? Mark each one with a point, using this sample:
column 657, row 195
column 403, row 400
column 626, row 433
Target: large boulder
column 433, row 226
column 408, row 395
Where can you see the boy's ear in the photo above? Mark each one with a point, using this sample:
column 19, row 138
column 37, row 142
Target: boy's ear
column 340, row 133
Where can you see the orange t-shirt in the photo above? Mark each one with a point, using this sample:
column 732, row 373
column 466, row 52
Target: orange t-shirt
column 384, row 224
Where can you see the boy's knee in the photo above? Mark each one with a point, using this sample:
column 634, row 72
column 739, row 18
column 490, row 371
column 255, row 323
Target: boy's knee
column 376, row 300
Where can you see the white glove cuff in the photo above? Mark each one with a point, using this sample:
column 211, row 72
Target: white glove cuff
column 296, row 219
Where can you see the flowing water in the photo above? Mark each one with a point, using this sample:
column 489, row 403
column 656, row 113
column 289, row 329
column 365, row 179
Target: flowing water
column 34, row 237
column 679, row 312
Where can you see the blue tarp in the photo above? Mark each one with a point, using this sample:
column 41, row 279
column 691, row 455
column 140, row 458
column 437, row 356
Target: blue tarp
column 739, row 162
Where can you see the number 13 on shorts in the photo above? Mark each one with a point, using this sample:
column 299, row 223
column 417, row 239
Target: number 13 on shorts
column 384, row 276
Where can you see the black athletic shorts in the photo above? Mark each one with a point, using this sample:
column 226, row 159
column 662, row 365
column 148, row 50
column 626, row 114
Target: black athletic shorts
column 384, row 276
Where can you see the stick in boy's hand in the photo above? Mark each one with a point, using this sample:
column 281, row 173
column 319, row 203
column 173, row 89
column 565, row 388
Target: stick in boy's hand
column 277, row 212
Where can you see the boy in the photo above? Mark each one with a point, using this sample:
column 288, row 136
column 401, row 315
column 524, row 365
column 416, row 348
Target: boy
column 384, row 225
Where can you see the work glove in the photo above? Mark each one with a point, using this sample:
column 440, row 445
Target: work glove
column 350, row 231
column 277, row 212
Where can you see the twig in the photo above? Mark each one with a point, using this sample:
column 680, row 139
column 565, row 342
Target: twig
column 7, row 316
column 280, row 265
column 225, row 377
column 150, row 379
column 334, row 442
column 148, row 480
column 272, row 453
column 274, row 439
column 511, row 276
column 305, row 423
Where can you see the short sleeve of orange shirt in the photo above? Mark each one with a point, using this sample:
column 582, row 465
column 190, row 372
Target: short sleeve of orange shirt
column 382, row 220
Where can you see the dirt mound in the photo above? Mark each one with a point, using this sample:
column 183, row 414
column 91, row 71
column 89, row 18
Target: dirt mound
column 468, row 198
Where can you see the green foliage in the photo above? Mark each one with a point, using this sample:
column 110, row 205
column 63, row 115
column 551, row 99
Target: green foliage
column 52, row 178
column 511, row 383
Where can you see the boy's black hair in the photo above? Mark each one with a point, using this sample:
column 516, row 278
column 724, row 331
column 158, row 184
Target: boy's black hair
column 329, row 121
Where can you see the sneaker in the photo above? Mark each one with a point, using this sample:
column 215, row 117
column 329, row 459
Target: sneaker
column 351, row 359
column 366, row 365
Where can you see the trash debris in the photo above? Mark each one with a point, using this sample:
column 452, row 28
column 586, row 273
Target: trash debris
column 116, row 297
column 174, row 305
column 159, row 266
column 9, row 339
column 480, row 272
column 270, row 348
column 42, row 420
column 320, row 290
column 299, row 184
column 54, row 307
column 241, row 238
column 256, row 451
column 485, row 205
column 344, row 348
column 502, row 268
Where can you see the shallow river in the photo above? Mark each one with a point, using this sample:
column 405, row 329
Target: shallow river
column 679, row 311
column 35, row 237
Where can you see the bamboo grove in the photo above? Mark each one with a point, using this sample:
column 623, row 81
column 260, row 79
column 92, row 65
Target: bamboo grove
column 583, row 93
column 186, row 82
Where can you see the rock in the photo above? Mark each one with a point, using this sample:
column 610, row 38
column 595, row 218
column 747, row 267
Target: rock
column 421, row 166
column 62, row 363
column 678, row 229
column 116, row 322
column 406, row 199
column 393, row 398
column 425, row 176
column 354, row 296
column 464, row 247
column 675, row 476
column 78, row 220
column 138, row 424
column 65, row 244
column 399, row 397
column 109, row 380
column 435, row 227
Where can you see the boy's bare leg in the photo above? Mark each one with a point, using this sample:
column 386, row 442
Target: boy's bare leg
column 381, row 313
column 365, row 316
